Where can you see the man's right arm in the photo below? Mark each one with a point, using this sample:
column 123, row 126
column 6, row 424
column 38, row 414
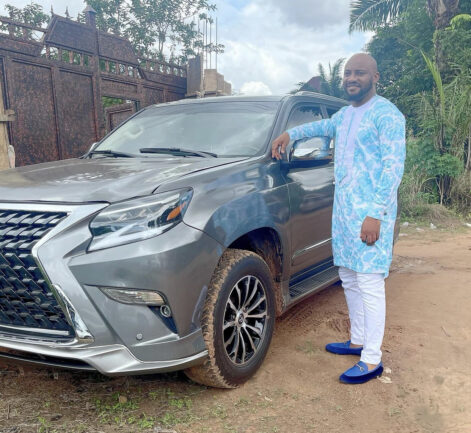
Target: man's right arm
column 319, row 128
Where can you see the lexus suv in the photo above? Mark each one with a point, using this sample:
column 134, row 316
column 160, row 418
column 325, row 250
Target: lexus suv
column 172, row 244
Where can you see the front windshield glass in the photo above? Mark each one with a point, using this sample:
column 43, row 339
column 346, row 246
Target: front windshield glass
column 227, row 129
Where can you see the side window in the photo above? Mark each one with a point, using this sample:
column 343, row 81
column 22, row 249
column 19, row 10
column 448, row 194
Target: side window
column 304, row 114
column 331, row 111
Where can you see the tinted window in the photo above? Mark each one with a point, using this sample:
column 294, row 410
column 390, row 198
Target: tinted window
column 224, row 128
column 331, row 111
column 304, row 114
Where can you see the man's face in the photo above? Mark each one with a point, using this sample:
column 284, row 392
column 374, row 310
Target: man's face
column 358, row 81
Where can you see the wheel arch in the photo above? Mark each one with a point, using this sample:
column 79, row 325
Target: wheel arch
column 266, row 242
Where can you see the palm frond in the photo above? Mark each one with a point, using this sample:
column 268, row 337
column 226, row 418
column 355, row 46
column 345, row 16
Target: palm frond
column 371, row 14
column 322, row 73
column 437, row 78
column 336, row 68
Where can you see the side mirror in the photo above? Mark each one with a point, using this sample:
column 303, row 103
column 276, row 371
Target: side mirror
column 91, row 149
column 93, row 146
column 311, row 149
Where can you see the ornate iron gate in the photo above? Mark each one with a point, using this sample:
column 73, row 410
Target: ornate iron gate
column 54, row 80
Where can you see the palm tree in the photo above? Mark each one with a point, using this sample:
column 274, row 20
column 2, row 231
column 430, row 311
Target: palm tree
column 331, row 83
column 371, row 14
column 298, row 88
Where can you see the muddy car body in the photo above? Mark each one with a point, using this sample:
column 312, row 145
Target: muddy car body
column 133, row 260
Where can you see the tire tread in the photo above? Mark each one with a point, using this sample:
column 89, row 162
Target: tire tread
column 209, row 372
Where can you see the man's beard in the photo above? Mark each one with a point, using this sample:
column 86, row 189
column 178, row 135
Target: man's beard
column 361, row 94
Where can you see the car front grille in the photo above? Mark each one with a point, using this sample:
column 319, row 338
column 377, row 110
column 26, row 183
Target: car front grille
column 27, row 304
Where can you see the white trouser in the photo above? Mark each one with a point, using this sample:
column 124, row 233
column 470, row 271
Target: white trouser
column 367, row 310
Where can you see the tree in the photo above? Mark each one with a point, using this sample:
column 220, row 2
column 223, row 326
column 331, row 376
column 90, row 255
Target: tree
column 111, row 15
column 371, row 14
column 31, row 14
column 396, row 48
column 158, row 28
column 156, row 24
column 331, row 83
column 299, row 85
column 423, row 55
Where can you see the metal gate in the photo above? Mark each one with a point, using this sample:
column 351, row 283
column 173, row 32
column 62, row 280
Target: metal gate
column 54, row 80
column 116, row 114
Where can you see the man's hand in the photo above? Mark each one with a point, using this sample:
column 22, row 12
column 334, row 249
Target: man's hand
column 370, row 230
column 279, row 145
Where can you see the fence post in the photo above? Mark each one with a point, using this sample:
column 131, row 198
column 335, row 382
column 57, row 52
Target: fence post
column 7, row 153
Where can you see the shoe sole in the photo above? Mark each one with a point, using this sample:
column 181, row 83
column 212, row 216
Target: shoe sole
column 346, row 352
column 361, row 379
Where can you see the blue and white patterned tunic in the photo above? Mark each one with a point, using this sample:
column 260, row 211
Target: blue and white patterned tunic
column 366, row 181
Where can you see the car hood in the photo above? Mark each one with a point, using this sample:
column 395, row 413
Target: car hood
column 98, row 179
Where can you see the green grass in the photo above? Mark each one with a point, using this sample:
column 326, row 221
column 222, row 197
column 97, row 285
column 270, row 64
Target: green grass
column 307, row 348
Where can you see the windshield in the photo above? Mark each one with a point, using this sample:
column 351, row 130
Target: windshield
column 226, row 129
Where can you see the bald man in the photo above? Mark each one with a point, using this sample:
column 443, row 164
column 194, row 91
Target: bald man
column 369, row 163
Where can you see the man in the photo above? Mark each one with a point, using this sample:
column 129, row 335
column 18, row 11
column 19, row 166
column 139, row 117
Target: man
column 369, row 162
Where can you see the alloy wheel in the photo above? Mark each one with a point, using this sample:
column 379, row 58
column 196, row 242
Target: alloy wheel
column 245, row 318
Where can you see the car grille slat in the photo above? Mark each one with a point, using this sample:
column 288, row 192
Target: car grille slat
column 26, row 300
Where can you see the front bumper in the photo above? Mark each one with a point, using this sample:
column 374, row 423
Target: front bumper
column 111, row 337
column 110, row 360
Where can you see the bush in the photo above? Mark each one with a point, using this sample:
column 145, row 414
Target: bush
column 415, row 195
column 460, row 193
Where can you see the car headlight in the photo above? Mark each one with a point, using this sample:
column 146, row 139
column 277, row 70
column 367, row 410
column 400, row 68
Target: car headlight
column 138, row 219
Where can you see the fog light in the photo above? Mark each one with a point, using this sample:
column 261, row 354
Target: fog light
column 134, row 296
column 165, row 311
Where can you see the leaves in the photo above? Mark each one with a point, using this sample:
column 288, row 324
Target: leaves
column 331, row 83
column 437, row 78
column 32, row 13
column 371, row 14
column 425, row 69
column 158, row 27
column 112, row 15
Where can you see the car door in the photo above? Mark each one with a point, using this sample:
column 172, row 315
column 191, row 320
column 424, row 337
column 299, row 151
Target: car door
column 311, row 193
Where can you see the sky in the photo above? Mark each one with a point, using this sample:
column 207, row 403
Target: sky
column 270, row 45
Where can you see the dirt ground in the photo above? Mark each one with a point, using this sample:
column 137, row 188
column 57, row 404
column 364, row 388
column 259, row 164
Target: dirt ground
column 426, row 351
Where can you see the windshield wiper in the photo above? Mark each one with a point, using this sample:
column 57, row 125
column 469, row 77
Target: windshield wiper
column 177, row 151
column 114, row 153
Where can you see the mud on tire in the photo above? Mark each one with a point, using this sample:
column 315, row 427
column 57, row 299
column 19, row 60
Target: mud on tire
column 238, row 320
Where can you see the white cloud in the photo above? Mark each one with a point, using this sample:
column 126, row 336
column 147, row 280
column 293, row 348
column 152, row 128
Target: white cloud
column 268, row 41
column 315, row 14
column 255, row 88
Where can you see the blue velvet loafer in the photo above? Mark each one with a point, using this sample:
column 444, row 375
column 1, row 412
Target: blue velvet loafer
column 343, row 348
column 359, row 373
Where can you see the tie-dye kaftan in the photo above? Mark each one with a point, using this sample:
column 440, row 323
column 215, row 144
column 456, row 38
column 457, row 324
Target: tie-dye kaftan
column 366, row 180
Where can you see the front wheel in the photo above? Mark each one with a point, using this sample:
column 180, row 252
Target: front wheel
column 238, row 320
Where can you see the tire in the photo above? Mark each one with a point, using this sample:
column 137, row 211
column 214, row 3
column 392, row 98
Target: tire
column 241, row 287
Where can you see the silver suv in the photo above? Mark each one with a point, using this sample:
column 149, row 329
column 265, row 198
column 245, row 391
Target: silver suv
column 172, row 244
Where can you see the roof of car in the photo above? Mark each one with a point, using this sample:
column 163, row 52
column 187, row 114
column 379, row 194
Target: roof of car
column 269, row 98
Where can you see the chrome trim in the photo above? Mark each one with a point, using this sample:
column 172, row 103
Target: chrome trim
column 311, row 247
column 36, row 330
column 75, row 213
column 36, row 340
column 81, row 330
